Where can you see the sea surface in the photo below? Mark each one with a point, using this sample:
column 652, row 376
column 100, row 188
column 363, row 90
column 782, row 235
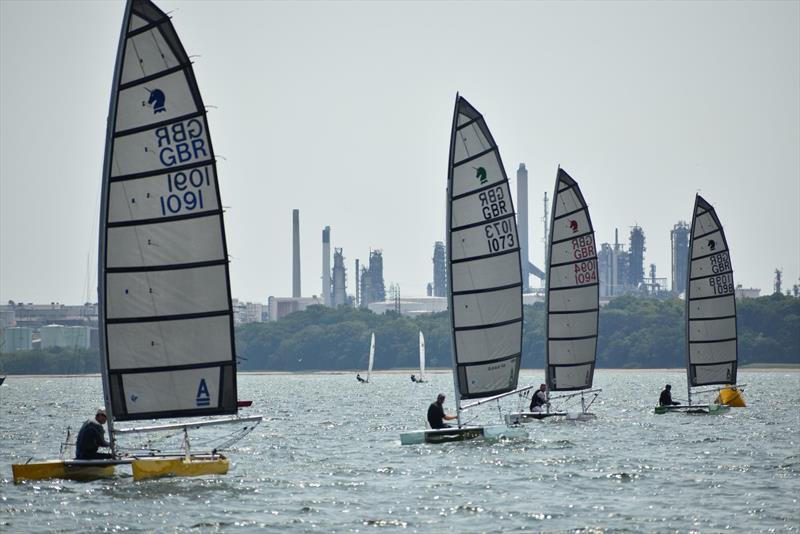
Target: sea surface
column 327, row 458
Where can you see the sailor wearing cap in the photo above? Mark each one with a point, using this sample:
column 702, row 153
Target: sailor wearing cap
column 91, row 437
column 436, row 415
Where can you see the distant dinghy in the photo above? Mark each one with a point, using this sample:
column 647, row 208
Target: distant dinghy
column 711, row 339
column 371, row 361
column 572, row 302
column 485, row 279
column 166, row 320
column 421, row 378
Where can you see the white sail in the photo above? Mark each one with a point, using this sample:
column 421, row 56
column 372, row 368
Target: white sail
column 572, row 300
column 165, row 305
column 710, row 302
column 371, row 356
column 483, row 261
column 421, row 357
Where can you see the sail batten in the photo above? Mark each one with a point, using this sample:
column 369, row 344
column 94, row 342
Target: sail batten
column 484, row 274
column 710, row 302
column 167, row 320
column 572, row 300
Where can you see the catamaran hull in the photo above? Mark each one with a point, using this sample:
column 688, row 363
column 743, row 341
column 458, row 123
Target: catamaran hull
column 144, row 468
column 445, row 435
column 81, row 470
column 529, row 417
column 695, row 409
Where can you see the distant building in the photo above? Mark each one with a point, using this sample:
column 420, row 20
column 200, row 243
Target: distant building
column 280, row 307
column 7, row 318
column 339, row 279
column 747, row 292
column 247, row 312
column 636, row 257
column 55, row 335
column 410, row 305
column 679, row 238
column 38, row 315
column 439, row 270
column 16, row 338
column 372, row 286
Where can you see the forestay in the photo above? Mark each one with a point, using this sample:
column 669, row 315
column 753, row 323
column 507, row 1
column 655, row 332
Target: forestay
column 165, row 301
column 710, row 302
column 485, row 284
column 572, row 290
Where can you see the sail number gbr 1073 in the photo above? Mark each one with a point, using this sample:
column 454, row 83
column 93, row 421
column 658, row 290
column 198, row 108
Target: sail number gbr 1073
column 185, row 191
column 500, row 235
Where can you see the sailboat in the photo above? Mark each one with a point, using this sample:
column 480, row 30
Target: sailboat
column 166, row 320
column 421, row 378
column 371, row 357
column 572, row 302
column 483, row 268
column 711, row 339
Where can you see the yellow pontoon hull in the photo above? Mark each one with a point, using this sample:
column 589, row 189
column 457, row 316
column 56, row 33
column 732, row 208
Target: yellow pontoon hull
column 69, row 470
column 144, row 468
column 731, row 396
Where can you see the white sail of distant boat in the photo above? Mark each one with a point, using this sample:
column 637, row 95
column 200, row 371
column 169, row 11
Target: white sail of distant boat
column 371, row 356
column 166, row 320
column 572, row 302
column 421, row 377
column 711, row 337
column 484, row 274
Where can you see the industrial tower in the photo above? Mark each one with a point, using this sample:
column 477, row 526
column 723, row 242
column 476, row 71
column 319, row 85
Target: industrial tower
column 326, row 265
column 339, row 279
column 296, row 254
column 679, row 237
column 439, row 270
column 522, row 223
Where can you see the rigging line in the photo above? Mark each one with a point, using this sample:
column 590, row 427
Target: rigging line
column 161, row 52
column 139, row 57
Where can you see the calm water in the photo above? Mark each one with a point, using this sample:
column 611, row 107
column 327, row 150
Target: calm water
column 328, row 459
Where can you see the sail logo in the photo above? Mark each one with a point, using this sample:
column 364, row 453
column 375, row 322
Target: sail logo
column 203, row 396
column 157, row 100
column 480, row 174
column 573, row 225
column 712, row 245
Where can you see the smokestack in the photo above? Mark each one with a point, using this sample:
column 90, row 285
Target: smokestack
column 358, row 286
column 522, row 223
column 326, row 265
column 296, row 253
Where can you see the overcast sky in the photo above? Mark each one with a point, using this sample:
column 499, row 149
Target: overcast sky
column 343, row 110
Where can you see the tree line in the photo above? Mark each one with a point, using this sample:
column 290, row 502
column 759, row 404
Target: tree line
column 634, row 333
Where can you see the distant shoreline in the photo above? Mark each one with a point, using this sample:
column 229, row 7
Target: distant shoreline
column 765, row 367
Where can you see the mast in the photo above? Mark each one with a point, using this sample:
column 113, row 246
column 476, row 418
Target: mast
column 449, row 234
column 103, row 231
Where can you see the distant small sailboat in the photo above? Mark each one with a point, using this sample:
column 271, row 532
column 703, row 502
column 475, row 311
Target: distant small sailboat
column 572, row 304
column 711, row 338
column 371, row 359
column 421, row 378
column 485, row 279
column 166, row 319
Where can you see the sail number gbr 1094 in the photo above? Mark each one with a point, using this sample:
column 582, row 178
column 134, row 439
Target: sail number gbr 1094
column 185, row 191
column 500, row 235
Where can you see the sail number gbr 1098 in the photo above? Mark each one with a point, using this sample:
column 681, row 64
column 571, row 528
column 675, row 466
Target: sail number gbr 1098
column 185, row 191
column 500, row 235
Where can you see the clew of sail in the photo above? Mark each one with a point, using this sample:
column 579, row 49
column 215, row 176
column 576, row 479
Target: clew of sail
column 165, row 303
column 483, row 262
column 710, row 302
column 572, row 300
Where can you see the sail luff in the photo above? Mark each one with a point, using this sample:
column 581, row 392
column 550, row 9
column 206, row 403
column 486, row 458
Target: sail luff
column 103, row 230
column 572, row 291
column 484, row 271
column 449, row 262
column 165, row 297
column 711, row 330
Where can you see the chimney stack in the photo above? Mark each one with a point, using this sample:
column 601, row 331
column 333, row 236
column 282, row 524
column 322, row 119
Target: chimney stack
column 296, row 253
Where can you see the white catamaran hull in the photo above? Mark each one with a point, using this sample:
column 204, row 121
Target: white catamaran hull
column 516, row 418
column 694, row 409
column 444, row 435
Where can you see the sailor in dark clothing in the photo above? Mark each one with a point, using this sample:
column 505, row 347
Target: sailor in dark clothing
column 358, row 377
column 91, row 437
column 436, row 415
column 413, row 378
column 539, row 400
column 666, row 397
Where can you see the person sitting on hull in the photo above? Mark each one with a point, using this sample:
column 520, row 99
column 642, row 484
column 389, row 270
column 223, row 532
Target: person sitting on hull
column 92, row 436
column 436, row 415
column 413, row 378
column 666, row 397
column 539, row 400
column 358, row 377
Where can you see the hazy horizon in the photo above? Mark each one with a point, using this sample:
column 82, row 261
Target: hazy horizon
column 343, row 110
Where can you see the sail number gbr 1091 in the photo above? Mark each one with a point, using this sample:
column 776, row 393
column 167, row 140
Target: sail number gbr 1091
column 185, row 191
